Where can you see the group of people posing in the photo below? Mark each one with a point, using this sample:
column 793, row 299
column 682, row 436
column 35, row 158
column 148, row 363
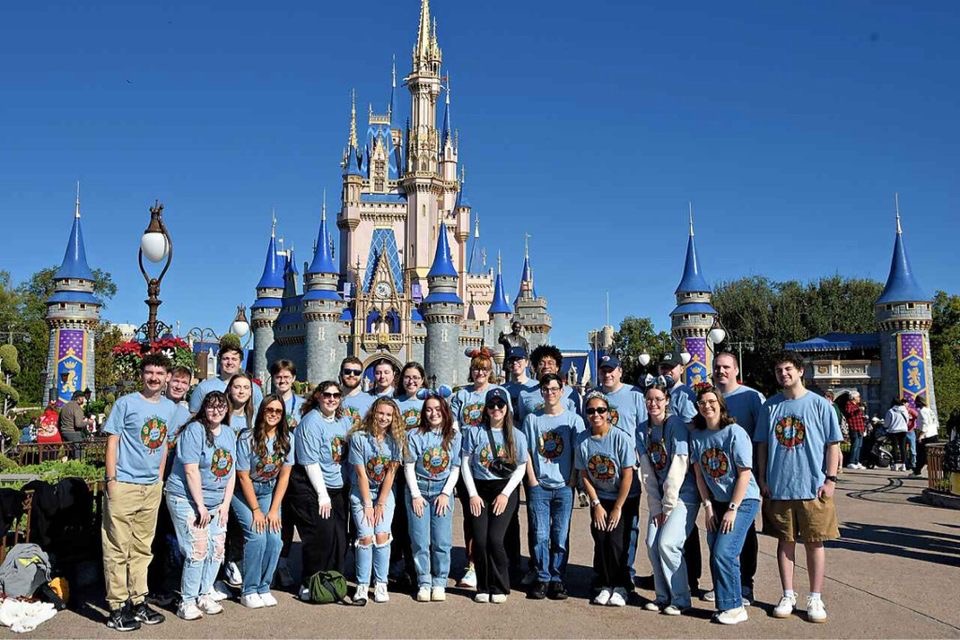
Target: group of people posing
column 230, row 474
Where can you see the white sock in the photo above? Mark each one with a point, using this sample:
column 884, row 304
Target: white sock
column 814, row 595
column 789, row 593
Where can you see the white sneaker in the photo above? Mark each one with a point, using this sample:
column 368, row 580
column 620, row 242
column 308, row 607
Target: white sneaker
column 361, row 594
column 268, row 599
column 603, row 597
column 469, row 579
column 252, row 601
column 304, row 594
column 785, row 607
column 438, row 594
column 860, row 466
column 529, row 577
column 654, row 606
column 482, row 598
column 672, row 610
column 498, row 598
column 231, row 572
column 710, row 596
column 189, row 611
column 208, row 605
column 852, row 466
column 380, row 592
column 732, row 616
column 220, row 591
column 423, row 594
column 816, row 612
column 284, row 577
column 618, row 598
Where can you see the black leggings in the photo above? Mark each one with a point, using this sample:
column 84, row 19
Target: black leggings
column 489, row 552
column 922, row 453
column 464, row 499
column 899, row 441
column 322, row 540
column 610, row 547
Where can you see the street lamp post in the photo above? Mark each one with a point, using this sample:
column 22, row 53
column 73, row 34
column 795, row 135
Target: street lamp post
column 157, row 247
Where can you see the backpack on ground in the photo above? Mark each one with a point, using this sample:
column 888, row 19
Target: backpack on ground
column 327, row 587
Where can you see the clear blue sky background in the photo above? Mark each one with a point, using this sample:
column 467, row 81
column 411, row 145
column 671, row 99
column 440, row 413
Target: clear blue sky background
column 590, row 125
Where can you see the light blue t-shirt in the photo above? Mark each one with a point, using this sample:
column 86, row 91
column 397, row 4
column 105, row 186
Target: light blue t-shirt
column 432, row 463
column 531, row 401
column 318, row 440
column 356, row 406
column 376, row 458
column 683, row 402
column 293, row 404
column 467, row 403
column 142, row 427
column 515, row 388
column 551, row 441
column 216, row 463
column 177, row 424
column 264, row 470
column 660, row 444
column 410, row 408
column 744, row 405
column 216, row 384
column 604, row 458
column 238, row 423
column 797, row 433
column 720, row 454
column 476, row 446
column 627, row 409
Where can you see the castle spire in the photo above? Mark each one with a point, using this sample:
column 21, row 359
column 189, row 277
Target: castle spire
column 499, row 304
column 526, row 275
column 421, row 51
column 476, row 243
column 76, row 211
column 74, row 265
column 352, row 140
column 446, row 137
column 442, row 261
column 272, row 277
column 901, row 284
column 692, row 280
column 322, row 258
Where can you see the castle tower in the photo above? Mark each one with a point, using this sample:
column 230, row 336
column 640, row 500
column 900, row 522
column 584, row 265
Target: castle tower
column 322, row 307
column 530, row 309
column 904, row 315
column 266, row 308
column 72, row 314
column 442, row 312
column 692, row 318
column 499, row 312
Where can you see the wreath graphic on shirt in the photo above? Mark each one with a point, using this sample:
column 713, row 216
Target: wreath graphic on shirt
column 336, row 449
column 377, row 466
column 411, row 417
column 221, row 463
column 268, row 468
column 551, row 445
column 473, row 413
column 353, row 413
column 486, row 457
column 292, row 421
column 153, row 433
column 715, row 463
column 435, row 460
column 614, row 415
column 601, row 467
column 657, row 454
column 790, row 431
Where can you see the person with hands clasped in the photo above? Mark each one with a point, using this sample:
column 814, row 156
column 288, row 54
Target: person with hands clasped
column 722, row 456
column 493, row 464
column 199, row 492
column 264, row 462
column 375, row 447
column 319, row 506
column 431, row 465
column 606, row 458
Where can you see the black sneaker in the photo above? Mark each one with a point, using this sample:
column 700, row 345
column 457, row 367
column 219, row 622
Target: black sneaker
column 143, row 614
column 122, row 619
column 538, row 591
column 556, row 591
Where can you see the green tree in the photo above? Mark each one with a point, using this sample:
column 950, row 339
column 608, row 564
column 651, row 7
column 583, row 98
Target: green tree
column 105, row 337
column 636, row 336
column 9, row 367
column 945, row 353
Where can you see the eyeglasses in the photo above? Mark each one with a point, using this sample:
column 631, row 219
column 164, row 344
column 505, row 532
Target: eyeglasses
column 331, row 395
column 412, row 378
column 655, row 400
column 479, row 369
column 270, row 411
column 549, row 389
column 217, row 407
column 497, row 404
column 593, row 410
column 351, row 372
column 708, row 403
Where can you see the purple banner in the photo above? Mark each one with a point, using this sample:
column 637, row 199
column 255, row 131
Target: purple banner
column 913, row 367
column 697, row 371
column 71, row 362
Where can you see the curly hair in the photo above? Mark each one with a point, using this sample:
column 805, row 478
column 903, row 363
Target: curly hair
column 316, row 397
column 397, row 429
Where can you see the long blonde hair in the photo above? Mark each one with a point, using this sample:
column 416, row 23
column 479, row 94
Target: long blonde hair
column 397, row 429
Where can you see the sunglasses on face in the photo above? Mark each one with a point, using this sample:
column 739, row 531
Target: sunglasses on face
column 496, row 404
column 270, row 411
column 331, row 395
column 596, row 410
column 351, row 372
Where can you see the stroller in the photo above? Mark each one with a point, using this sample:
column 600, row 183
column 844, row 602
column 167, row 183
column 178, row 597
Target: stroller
column 877, row 450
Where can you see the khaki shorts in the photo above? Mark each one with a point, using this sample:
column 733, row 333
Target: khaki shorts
column 805, row 520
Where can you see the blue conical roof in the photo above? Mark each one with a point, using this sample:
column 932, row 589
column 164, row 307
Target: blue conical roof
column 442, row 262
column 446, row 122
column 272, row 277
column 901, row 285
column 74, row 263
column 322, row 259
column 692, row 280
column 499, row 304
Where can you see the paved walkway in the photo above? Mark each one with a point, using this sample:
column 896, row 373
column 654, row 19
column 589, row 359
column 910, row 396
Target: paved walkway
column 895, row 573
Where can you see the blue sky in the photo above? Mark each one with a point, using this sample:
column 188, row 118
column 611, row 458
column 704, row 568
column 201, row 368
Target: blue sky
column 788, row 125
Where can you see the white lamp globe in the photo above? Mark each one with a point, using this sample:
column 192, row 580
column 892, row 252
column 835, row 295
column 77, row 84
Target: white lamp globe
column 154, row 246
column 643, row 359
column 717, row 335
column 685, row 357
column 240, row 327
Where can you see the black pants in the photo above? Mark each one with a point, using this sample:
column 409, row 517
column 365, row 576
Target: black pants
column 401, row 548
column 286, row 525
column 511, row 539
column 323, row 540
column 922, row 453
column 899, row 441
column 610, row 547
column 163, row 574
column 464, row 499
column 694, row 558
column 489, row 552
column 748, row 559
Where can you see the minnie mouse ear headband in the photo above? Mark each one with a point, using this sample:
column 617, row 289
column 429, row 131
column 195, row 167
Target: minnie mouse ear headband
column 648, row 381
column 443, row 392
column 485, row 352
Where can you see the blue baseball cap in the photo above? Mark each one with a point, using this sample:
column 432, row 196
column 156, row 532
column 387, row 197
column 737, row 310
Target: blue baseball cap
column 497, row 394
column 609, row 361
column 516, row 353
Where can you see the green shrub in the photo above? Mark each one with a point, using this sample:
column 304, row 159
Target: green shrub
column 56, row 470
column 9, row 430
column 30, row 416
column 10, row 362
column 7, row 465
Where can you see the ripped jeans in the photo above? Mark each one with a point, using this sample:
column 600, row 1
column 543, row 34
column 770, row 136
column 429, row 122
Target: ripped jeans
column 202, row 548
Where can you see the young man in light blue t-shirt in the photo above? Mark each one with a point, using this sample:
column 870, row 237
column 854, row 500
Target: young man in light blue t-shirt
column 798, row 451
column 230, row 358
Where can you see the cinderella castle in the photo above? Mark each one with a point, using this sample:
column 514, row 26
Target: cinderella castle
column 409, row 282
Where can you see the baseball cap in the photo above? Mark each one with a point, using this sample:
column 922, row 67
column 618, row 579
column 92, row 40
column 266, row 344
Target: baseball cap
column 516, row 353
column 671, row 359
column 609, row 361
column 496, row 394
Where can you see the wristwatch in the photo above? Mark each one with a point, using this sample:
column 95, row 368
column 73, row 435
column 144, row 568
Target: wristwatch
column 832, row 479
column 595, row 502
column 733, row 506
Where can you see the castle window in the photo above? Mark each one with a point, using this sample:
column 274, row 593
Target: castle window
column 910, row 305
column 63, row 306
column 686, row 317
column 703, row 316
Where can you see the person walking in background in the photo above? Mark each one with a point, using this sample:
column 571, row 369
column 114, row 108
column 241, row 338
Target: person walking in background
column 72, row 422
column 928, row 430
column 857, row 423
column 895, row 423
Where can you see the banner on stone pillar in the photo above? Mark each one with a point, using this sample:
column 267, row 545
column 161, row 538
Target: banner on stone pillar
column 71, row 362
column 696, row 372
column 912, row 365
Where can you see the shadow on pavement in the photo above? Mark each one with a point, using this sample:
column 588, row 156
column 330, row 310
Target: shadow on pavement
column 926, row 546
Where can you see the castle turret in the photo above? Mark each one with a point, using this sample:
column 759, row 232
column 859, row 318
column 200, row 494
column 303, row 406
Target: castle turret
column 529, row 308
column 499, row 312
column 72, row 314
column 904, row 315
column 693, row 317
column 266, row 308
column 322, row 307
column 442, row 312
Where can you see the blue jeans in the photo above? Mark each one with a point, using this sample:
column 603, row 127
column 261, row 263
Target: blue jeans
column 431, row 537
column 261, row 551
column 665, row 551
column 912, row 441
column 856, row 443
column 549, row 511
column 372, row 557
column 725, row 554
column 202, row 548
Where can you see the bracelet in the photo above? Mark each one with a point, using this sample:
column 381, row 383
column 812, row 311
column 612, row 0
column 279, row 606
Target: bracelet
column 707, row 503
column 110, row 479
column 369, row 505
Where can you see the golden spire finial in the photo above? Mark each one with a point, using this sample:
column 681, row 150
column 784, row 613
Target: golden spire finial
column 421, row 51
column 353, row 119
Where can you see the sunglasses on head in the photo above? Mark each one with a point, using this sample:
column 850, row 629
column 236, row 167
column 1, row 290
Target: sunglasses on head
column 592, row 410
column 496, row 404
column 331, row 395
column 351, row 372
